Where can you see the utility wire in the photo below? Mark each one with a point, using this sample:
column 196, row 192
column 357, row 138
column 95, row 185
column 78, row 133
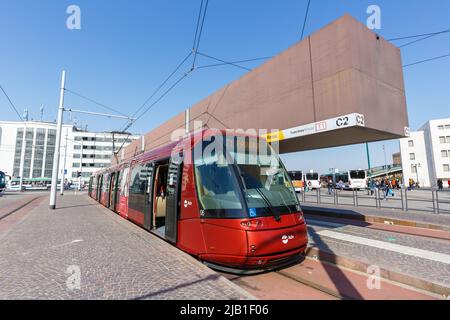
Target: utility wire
column 223, row 61
column 11, row 103
column 95, row 102
column 426, row 60
column 306, row 18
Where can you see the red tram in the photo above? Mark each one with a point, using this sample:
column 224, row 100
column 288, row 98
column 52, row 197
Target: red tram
column 235, row 216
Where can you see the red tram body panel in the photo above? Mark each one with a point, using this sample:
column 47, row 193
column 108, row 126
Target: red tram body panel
column 235, row 215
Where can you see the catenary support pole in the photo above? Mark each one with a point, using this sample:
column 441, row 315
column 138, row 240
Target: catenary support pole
column 54, row 189
column 64, row 169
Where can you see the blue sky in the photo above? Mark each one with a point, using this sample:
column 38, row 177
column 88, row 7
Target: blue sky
column 126, row 48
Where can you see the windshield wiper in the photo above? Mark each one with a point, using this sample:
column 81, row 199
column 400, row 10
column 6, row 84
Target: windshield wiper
column 263, row 197
column 269, row 205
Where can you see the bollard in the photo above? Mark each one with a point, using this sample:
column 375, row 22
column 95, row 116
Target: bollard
column 406, row 199
column 401, row 197
column 437, row 202
column 432, row 197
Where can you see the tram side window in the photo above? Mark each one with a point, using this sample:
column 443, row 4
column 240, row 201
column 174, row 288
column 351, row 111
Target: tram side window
column 139, row 187
column 90, row 184
column 123, row 180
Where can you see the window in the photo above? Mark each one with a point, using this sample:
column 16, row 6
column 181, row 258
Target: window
column 447, row 127
column 76, row 165
column 412, row 156
column 442, row 139
column 411, row 143
column 440, row 127
column 444, row 153
column 446, row 168
column 413, row 168
column 448, row 139
column 140, row 176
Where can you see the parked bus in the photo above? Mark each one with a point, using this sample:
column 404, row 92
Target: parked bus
column 234, row 216
column 35, row 184
column 2, row 181
column 350, row 180
column 297, row 180
column 312, row 180
column 357, row 179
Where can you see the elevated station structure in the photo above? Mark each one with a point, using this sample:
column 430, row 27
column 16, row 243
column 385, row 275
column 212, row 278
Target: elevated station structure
column 342, row 85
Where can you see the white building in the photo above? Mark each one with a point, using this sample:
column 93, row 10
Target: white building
column 426, row 154
column 81, row 151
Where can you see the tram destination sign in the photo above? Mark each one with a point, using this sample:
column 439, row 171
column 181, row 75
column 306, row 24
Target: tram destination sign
column 342, row 122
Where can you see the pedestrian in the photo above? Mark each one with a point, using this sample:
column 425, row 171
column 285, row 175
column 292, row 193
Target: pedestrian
column 448, row 182
column 440, row 184
column 372, row 187
column 330, row 186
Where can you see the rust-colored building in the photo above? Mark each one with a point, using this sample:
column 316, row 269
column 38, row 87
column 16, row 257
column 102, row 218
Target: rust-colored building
column 342, row 85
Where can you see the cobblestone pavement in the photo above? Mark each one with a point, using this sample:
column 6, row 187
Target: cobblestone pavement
column 417, row 266
column 43, row 254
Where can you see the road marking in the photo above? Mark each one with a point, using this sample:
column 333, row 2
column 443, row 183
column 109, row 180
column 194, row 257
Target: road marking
column 424, row 254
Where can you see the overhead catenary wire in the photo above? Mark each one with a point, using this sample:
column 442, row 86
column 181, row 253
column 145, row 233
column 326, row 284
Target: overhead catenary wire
column 422, row 39
column 198, row 39
column 305, row 20
column 419, row 35
column 163, row 83
column 426, row 60
column 11, row 103
column 227, row 63
column 223, row 61
column 95, row 102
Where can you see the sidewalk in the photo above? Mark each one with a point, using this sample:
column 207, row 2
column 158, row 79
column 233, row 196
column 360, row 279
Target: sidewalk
column 47, row 254
column 388, row 216
column 411, row 259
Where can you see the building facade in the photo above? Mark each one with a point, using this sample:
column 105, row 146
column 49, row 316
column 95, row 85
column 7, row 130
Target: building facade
column 29, row 149
column 426, row 154
column 437, row 137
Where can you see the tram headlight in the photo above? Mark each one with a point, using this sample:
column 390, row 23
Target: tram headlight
column 252, row 224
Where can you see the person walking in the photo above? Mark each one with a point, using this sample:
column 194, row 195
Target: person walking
column 330, row 187
column 440, row 184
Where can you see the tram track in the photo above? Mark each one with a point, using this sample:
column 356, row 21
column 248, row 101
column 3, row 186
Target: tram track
column 266, row 286
column 12, row 208
column 313, row 285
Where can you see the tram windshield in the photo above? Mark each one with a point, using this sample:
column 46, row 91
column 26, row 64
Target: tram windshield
column 239, row 174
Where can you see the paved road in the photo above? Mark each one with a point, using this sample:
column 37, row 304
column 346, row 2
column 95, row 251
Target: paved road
column 83, row 251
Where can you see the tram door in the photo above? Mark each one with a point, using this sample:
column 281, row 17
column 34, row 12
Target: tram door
column 149, row 170
column 112, row 191
column 173, row 199
column 117, row 191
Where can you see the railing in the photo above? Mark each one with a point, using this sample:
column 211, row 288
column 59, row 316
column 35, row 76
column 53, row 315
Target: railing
column 432, row 201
